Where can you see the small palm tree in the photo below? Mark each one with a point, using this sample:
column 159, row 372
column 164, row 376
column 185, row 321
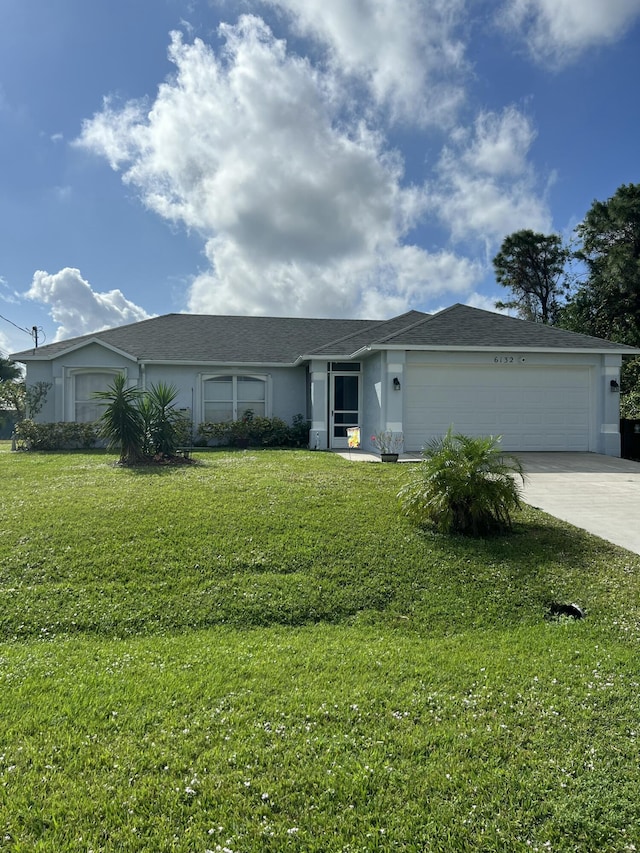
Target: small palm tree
column 121, row 423
column 163, row 418
column 464, row 485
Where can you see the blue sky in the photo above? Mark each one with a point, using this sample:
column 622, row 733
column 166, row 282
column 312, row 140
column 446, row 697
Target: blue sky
column 351, row 158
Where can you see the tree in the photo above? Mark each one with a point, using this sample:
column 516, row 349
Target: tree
column 9, row 370
column 162, row 419
column 121, row 423
column 140, row 424
column 25, row 400
column 607, row 304
column 532, row 266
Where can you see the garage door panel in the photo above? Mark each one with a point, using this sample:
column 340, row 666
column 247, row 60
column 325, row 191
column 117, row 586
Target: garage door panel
column 530, row 407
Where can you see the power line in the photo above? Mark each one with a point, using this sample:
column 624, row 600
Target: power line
column 34, row 332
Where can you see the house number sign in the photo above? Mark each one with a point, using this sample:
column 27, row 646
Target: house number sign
column 508, row 359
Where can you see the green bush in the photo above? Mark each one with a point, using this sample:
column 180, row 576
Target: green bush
column 55, row 436
column 464, row 485
column 256, row 431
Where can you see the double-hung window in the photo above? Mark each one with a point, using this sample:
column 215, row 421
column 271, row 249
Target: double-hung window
column 228, row 397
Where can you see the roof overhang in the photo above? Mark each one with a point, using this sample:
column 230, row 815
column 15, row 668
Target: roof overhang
column 240, row 365
column 498, row 347
column 43, row 356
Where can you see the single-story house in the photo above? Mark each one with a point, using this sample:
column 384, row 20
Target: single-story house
column 539, row 387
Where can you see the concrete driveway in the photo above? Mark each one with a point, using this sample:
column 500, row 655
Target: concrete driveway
column 600, row 494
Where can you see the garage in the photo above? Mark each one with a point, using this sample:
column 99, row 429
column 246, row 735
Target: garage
column 531, row 407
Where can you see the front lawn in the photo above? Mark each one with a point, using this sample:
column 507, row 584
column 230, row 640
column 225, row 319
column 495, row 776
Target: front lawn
column 259, row 653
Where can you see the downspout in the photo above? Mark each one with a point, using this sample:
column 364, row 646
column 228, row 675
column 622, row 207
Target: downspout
column 143, row 374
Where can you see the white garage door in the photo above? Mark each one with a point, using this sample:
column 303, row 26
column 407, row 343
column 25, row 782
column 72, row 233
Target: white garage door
column 532, row 408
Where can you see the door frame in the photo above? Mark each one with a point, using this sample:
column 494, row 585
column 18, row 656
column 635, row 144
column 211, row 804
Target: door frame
column 341, row 442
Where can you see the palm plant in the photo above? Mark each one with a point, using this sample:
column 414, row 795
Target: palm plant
column 162, row 418
column 464, row 485
column 121, row 422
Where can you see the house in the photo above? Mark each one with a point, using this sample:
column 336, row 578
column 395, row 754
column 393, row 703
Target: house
column 539, row 387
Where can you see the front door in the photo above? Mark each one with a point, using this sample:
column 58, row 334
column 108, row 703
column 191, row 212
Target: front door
column 345, row 406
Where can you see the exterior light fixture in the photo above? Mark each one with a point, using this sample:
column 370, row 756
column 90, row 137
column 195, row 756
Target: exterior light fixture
column 396, row 384
column 614, row 385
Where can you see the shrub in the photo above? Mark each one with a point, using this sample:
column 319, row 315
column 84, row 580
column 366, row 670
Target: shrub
column 55, row 436
column 464, row 485
column 256, row 431
column 163, row 435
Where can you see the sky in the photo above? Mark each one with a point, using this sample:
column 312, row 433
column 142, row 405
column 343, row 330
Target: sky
column 302, row 158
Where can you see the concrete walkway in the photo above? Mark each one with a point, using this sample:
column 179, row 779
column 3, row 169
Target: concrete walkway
column 600, row 494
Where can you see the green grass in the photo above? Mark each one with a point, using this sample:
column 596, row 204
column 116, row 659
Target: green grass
column 259, row 653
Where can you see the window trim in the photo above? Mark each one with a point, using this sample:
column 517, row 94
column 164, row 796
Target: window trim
column 83, row 371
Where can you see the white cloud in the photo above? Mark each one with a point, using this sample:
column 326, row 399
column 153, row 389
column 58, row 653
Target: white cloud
column 410, row 57
column 302, row 212
column 77, row 308
column 557, row 31
column 486, row 187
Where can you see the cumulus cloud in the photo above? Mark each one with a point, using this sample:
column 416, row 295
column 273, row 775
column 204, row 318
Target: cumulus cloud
column 411, row 59
column 302, row 211
column 77, row 308
column 486, row 187
column 557, row 31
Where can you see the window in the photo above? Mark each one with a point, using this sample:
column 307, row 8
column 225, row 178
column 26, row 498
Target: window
column 345, row 367
column 227, row 398
column 85, row 383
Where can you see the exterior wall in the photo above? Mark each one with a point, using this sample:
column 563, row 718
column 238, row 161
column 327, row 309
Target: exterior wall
column 381, row 406
column 608, row 405
column 59, row 372
column 319, row 400
column 40, row 371
column 382, row 400
column 287, row 387
column 305, row 391
column 373, row 399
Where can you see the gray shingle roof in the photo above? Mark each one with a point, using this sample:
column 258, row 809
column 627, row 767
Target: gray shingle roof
column 211, row 339
column 373, row 333
column 463, row 326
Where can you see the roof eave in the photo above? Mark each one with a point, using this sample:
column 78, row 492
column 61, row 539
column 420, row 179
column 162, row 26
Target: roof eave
column 505, row 348
column 250, row 365
column 36, row 356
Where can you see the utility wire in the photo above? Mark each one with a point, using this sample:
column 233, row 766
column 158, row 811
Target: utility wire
column 33, row 332
column 22, row 329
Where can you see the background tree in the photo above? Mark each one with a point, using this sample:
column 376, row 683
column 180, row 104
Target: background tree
column 533, row 267
column 607, row 303
column 9, row 370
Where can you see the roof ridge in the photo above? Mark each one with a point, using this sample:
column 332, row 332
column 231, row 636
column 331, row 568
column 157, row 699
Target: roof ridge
column 424, row 319
column 373, row 324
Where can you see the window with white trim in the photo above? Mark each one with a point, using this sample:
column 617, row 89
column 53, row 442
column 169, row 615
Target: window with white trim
column 85, row 384
column 227, row 398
